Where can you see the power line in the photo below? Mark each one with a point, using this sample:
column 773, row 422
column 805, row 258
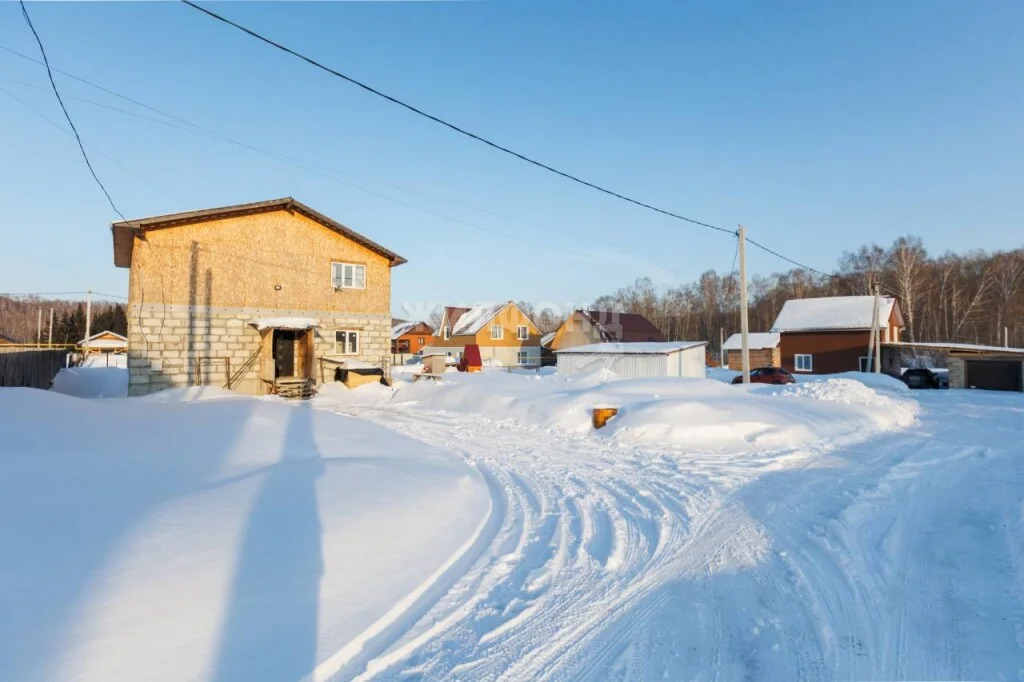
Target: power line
column 451, row 126
column 109, row 158
column 53, row 84
column 63, row 293
column 309, row 166
column 788, row 260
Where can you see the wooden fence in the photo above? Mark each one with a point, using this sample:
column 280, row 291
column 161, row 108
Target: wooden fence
column 34, row 368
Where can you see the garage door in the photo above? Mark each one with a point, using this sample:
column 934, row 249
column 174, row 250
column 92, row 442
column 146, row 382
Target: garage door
column 995, row 375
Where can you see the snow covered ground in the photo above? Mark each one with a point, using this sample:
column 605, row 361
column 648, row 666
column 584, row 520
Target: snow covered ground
column 182, row 538
column 478, row 528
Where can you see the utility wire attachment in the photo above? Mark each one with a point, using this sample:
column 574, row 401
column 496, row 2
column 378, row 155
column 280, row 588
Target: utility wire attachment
column 56, row 92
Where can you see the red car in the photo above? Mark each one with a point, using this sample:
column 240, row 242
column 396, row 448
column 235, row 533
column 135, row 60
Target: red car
column 767, row 375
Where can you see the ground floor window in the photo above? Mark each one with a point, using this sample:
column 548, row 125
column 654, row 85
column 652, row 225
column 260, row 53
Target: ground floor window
column 803, row 363
column 346, row 342
column 863, row 364
column 523, row 357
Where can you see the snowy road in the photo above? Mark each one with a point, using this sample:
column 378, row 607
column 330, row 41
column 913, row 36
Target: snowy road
column 898, row 557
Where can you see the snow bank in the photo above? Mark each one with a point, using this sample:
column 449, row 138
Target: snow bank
column 92, row 382
column 700, row 414
column 215, row 539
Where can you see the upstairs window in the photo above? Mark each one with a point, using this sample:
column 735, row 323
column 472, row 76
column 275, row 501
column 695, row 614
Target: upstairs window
column 348, row 276
column 523, row 332
column 497, row 332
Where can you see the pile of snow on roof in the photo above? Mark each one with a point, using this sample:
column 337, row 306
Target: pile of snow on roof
column 833, row 312
column 475, row 318
column 755, row 341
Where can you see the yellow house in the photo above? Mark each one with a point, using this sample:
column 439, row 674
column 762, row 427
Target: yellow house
column 504, row 333
column 251, row 297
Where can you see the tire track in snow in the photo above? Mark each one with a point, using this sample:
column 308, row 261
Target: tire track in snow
column 608, row 553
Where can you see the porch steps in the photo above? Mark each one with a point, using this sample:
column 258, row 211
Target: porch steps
column 295, row 388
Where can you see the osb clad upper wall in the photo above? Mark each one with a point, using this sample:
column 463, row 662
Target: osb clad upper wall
column 239, row 261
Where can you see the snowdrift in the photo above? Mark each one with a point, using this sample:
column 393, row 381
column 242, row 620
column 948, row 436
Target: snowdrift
column 700, row 414
column 215, row 539
column 92, row 382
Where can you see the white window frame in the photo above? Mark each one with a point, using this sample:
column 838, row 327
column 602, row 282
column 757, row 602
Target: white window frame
column 523, row 358
column 500, row 330
column 447, row 332
column 338, row 282
column 421, row 340
column 346, row 350
column 810, row 362
column 523, row 332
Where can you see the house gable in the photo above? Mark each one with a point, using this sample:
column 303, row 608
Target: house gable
column 509, row 317
column 266, row 260
column 124, row 232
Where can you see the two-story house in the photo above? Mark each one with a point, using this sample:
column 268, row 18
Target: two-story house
column 586, row 327
column 410, row 337
column 832, row 334
column 250, row 296
column 503, row 332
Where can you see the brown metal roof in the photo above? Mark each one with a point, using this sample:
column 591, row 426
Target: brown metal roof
column 451, row 316
column 624, row 327
column 123, row 232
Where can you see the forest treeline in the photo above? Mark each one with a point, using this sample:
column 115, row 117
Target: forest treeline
column 967, row 298
column 19, row 318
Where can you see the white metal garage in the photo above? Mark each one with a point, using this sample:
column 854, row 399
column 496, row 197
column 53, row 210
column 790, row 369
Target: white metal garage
column 636, row 360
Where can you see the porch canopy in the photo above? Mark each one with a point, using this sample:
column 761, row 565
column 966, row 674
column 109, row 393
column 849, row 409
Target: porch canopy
column 296, row 323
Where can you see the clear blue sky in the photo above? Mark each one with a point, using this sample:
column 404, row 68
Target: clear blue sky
column 820, row 126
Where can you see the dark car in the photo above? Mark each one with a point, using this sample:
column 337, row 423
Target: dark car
column 920, row 377
column 767, row 375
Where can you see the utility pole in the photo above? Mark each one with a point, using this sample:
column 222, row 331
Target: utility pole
column 39, row 328
column 49, row 340
column 1006, row 337
column 871, row 336
column 877, row 331
column 741, row 234
column 88, row 315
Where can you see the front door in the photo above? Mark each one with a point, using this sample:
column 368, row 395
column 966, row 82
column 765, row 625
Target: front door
column 284, row 353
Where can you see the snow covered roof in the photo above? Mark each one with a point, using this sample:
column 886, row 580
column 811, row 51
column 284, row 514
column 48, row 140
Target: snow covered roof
column 969, row 347
column 476, row 317
column 756, row 341
column 404, row 328
column 546, row 340
column 95, row 341
column 649, row 347
column 832, row 312
column 284, row 323
column 449, row 318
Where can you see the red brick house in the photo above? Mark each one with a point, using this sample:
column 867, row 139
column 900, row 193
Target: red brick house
column 832, row 334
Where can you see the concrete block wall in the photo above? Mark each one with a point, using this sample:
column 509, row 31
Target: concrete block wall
column 165, row 343
column 957, row 372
